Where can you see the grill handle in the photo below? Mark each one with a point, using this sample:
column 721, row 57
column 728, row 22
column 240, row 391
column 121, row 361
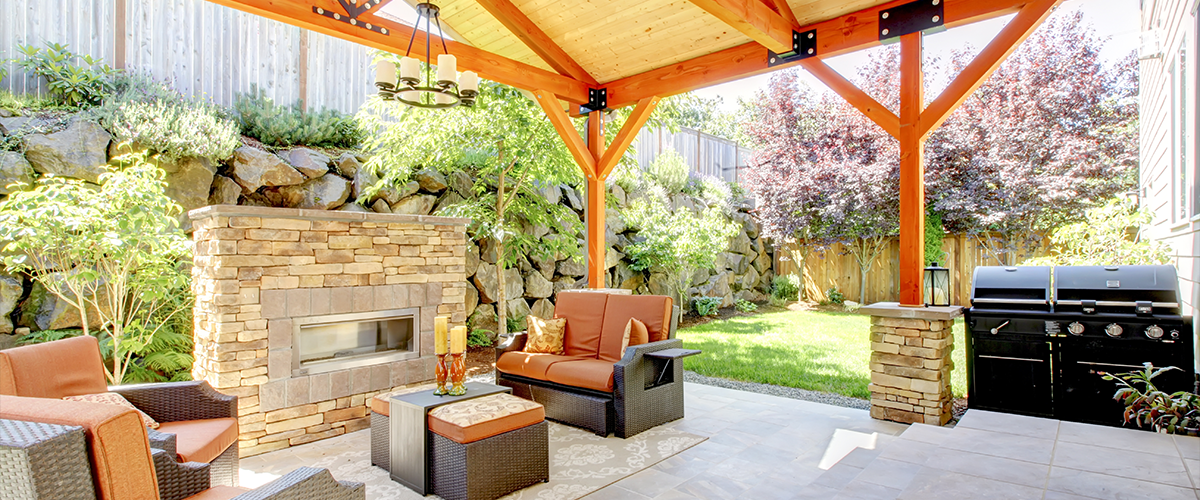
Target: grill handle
column 1113, row 303
column 982, row 300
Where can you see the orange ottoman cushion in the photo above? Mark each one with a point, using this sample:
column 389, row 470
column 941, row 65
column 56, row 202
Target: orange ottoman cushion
column 481, row 418
column 382, row 402
column 202, row 440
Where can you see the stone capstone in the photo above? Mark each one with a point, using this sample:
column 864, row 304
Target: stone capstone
column 225, row 191
column 255, row 168
column 418, row 204
column 323, row 193
column 14, row 168
column 80, row 151
column 312, row 164
column 431, row 180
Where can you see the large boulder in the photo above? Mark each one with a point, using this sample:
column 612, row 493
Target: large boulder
column 462, row 182
column 347, row 165
column 612, row 257
column 545, row 265
column 381, row 207
column 487, row 250
column 364, row 178
column 393, row 194
column 542, row 308
column 80, row 151
column 255, row 168
column 565, row 283
column 660, row 284
column 618, row 192
column 188, row 181
column 10, row 295
column 10, row 125
column 417, row 204
column 472, row 258
column 472, row 300
column 717, row 286
column 749, row 280
column 537, row 286
column 14, row 168
column 431, row 180
column 483, row 318
column 763, row 261
column 518, row 309
column 741, row 243
column 572, row 266
column 488, row 283
column 323, row 193
column 312, row 164
column 225, row 191
column 737, row 263
column 54, row 313
column 550, row 192
column 572, row 198
column 614, row 221
column 353, row 207
column 448, row 199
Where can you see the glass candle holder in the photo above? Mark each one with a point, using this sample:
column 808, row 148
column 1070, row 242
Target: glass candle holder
column 458, row 374
column 440, row 372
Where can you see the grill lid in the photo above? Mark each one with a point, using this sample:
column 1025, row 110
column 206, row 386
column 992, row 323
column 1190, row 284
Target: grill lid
column 1004, row 287
column 1116, row 289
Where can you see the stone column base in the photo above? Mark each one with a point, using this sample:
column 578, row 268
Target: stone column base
column 910, row 362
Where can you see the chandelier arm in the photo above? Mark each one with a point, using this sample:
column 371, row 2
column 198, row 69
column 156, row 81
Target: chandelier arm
column 413, row 36
column 442, row 36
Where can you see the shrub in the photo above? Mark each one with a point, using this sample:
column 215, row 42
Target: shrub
column 70, row 83
column 1148, row 406
column 284, row 126
column 743, row 305
column 669, row 171
column 706, row 306
column 628, row 177
column 786, row 287
column 155, row 116
column 478, row 338
column 777, row 301
column 1110, row 236
column 835, row 297
column 713, row 191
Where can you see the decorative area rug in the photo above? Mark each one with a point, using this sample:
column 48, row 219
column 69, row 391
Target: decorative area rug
column 580, row 462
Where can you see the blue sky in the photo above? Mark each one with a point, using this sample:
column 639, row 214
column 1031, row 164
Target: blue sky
column 1117, row 19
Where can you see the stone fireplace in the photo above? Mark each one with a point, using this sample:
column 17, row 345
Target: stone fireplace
column 307, row 314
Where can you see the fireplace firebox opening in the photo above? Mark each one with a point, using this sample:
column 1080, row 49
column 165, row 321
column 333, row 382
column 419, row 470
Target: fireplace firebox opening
column 341, row 341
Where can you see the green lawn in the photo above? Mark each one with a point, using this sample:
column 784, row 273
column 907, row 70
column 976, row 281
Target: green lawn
column 820, row 351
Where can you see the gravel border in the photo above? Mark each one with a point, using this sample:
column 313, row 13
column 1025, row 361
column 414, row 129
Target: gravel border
column 777, row 390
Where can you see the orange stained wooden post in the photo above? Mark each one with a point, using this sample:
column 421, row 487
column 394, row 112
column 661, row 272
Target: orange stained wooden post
column 912, row 172
column 596, row 190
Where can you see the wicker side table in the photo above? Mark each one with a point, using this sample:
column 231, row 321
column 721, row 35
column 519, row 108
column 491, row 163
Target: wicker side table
column 43, row 461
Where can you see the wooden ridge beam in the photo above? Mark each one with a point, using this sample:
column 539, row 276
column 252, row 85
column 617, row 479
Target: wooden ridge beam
column 626, row 136
column 836, row 36
column 785, row 10
column 566, row 129
column 487, row 65
column 878, row 113
column 985, row 63
column 754, row 19
column 537, row 40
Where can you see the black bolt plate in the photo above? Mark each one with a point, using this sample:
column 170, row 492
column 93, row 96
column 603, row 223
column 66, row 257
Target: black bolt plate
column 597, row 101
column 910, row 18
column 804, row 45
column 351, row 16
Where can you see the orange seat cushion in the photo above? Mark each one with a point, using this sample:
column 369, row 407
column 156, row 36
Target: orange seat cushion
column 587, row 373
column 481, row 418
column 67, row 367
column 528, row 364
column 202, row 440
column 218, row 493
column 585, row 317
column 117, row 444
column 652, row 310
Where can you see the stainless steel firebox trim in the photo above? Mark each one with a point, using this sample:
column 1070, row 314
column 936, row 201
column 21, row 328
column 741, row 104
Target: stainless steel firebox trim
column 361, row 360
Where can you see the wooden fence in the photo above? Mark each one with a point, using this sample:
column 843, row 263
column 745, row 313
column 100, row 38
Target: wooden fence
column 705, row 153
column 835, row 267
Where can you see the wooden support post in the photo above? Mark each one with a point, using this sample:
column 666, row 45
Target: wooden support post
column 596, row 191
column 912, row 172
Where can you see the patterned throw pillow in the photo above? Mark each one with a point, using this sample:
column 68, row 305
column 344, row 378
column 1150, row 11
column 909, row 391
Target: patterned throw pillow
column 112, row 398
column 636, row 333
column 545, row 335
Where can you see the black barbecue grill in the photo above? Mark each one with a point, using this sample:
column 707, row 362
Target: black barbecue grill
column 1039, row 353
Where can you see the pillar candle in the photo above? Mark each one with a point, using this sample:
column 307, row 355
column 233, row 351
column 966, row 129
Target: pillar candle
column 385, row 72
column 409, row 68
column 440, row 333
column 469, row 81
column 458, row 340
column 447, row 68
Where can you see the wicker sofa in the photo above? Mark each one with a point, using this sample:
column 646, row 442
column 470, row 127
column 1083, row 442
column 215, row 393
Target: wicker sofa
column 199, row 424
column 121, row 463
column 591, row 385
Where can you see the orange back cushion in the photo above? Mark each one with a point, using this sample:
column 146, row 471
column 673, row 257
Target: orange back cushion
column 585, row 316
column 67, row 367
column 117, row 444
column 652, row 310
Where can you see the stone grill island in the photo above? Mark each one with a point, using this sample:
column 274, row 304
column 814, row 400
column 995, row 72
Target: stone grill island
column 307, row 314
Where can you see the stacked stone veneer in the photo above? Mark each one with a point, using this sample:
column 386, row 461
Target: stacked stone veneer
column 910, row 363
column 257, row 269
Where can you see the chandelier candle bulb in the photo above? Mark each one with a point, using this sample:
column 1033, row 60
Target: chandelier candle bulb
column 469, row 81
column 385, row 73
column 409, row 68
column 443, row 99
column 458, row 340
column 447, row 68
column 440, row 333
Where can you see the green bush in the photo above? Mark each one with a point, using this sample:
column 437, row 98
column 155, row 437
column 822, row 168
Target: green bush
column 786, row 287
column 669, row 171
column 777, row 301
column 835, row 297
column 713, row 191
column 743, row 305
column 1111, row 235
column 284, row 126
column 151, row 114
column 706, row 306
column 70, row 83
column 478, row 338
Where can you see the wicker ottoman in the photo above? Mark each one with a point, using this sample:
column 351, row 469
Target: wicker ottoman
column 43, row 461
column 488, row 447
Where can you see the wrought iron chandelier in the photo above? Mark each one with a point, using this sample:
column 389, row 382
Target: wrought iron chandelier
column 445, row 92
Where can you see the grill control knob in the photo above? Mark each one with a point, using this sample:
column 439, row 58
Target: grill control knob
column 1174, row 334
column 1154, row 332
column 1076, row 328
column 1114, row 330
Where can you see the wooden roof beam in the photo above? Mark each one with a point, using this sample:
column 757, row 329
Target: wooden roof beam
column 629, row 132
column 836, row 36
column 537, row 40
column 878, row 113
column 785, row 10
column 566, row 130
column 754, row 19
column 487, row 65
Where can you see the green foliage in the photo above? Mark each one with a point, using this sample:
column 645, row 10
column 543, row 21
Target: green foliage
column 743, row 305
column 786, row 287
column 669, row 171
column 284, row 126
column 935, row 234
column 712, row 191
column 835, row 296
column 1177, row 413
column 24, row 103
column 777, row 301
column 706, row 306
column 1109, row 235
column 71, row 83
column 515, row 324
column 151, row 114
column 629, row 177
column 478, row 338
column 115, row 251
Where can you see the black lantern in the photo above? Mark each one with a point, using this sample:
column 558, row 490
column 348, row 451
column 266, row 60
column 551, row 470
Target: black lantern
column 937, row 285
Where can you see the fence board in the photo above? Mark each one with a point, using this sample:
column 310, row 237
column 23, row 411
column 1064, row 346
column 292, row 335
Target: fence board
column 704, row 153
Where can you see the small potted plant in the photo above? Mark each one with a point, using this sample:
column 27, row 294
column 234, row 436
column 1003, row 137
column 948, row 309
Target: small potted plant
column 1146, row 405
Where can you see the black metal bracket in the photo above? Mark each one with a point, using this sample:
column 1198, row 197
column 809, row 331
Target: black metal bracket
column 353, row 10
column 597, row 101
column 804, row 46
column 921, row 16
